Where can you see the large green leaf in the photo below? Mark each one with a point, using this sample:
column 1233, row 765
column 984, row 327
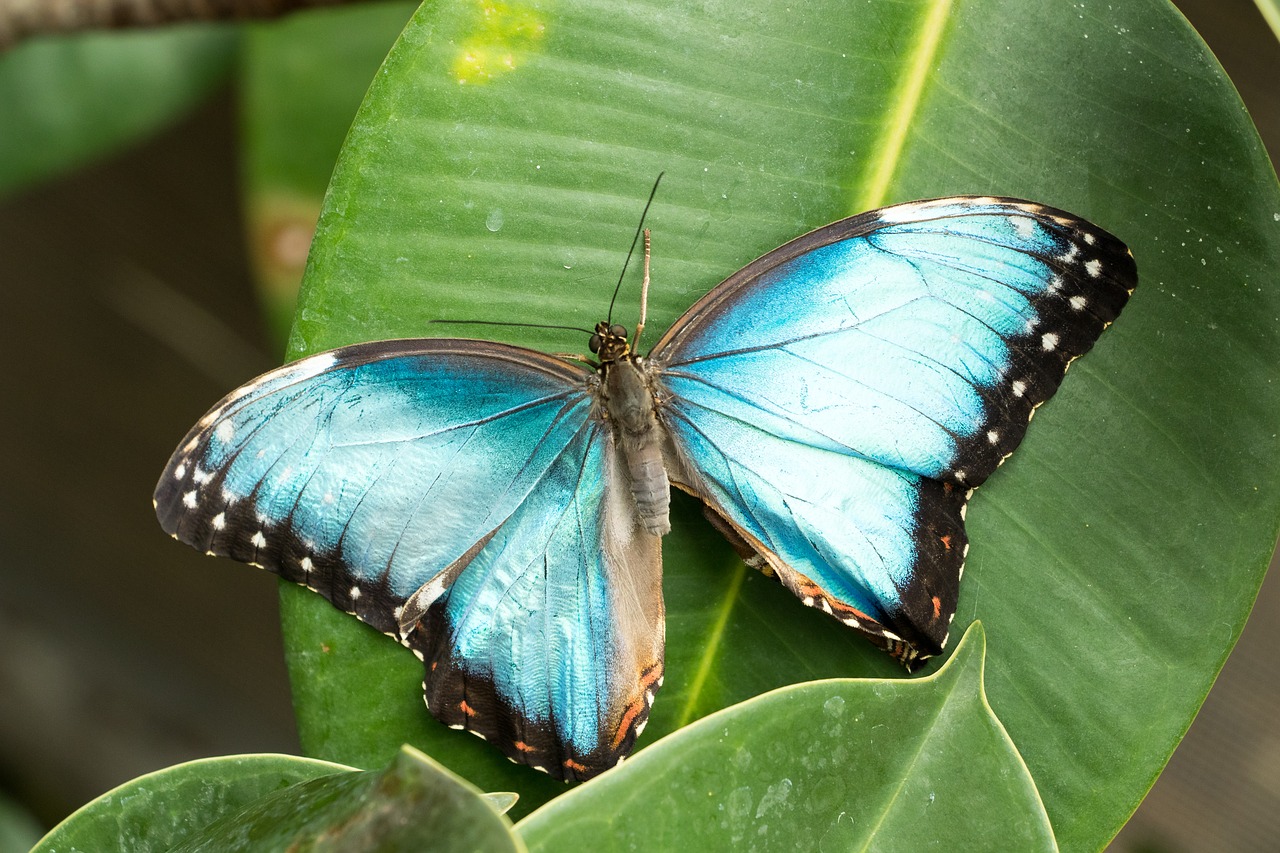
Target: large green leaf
column 496, row 171
column 869, row 764
column 66, row 100
column 155, row 811
column 413, row 804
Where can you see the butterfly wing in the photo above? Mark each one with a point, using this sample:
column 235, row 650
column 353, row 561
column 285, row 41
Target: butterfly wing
column 457, row 495
column 835, row 401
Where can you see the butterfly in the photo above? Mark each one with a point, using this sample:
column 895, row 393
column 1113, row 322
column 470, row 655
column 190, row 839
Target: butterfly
column 499, row 511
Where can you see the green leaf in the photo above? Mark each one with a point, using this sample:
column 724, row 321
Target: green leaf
column 414, row 804
column 301, row 81
column 153, row 812
column 842, row 764
column 496, row 171
column 67, row 100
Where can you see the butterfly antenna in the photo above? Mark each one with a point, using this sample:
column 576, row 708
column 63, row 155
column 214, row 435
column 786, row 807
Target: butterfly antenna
column 644, row 295
column 639, row 230
column 502, row 323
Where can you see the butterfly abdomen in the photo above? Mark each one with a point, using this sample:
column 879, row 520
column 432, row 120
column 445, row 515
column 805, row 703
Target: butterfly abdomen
column 629, row 403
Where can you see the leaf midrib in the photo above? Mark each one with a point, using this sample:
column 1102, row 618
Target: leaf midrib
column 902, row 108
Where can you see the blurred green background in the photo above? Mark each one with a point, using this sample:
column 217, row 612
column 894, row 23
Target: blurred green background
column 133, row 275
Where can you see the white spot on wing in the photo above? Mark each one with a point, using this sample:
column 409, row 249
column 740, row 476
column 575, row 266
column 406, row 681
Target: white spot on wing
column 180, row 471
column 1094, row 268
column 427, row 594
column 308, row 367
column 296, row 372
column 225, row 431
column 189, row 499
column 1049, row 342
column 220, row 521
column 258, row 540
column 993, row 437
column 210, row 417
column 1078, row 302
column 911, row 211
column 1019, row 388
column 307, row 565
column 355, row 593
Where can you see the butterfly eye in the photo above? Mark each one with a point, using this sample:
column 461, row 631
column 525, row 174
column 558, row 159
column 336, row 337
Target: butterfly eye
column 594, row 343
column 618, row 331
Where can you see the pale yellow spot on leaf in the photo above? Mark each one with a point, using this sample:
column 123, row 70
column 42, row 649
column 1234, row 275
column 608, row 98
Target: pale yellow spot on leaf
column 502, row 34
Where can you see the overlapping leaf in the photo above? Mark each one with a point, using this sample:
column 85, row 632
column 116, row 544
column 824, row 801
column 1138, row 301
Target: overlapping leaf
column 843, row 764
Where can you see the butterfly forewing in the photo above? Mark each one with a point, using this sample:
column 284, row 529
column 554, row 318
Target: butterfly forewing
column 452, row 494
column 835, row 400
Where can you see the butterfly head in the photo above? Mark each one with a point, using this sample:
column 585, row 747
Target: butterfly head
column 609, row 341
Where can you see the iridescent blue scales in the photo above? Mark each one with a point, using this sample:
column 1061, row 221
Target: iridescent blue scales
column 832, row 404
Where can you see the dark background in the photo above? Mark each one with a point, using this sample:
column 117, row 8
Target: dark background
column 129, row 310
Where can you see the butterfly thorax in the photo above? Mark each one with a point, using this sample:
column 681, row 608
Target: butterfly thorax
column 632, row 414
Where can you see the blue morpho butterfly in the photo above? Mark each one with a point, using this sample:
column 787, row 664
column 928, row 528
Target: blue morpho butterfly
column 500, row 511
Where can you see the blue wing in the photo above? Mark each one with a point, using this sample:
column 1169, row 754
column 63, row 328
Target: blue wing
column 459, row 496
column 835, row 401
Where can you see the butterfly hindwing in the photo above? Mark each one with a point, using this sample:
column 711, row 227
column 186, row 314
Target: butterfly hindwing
column 456, row 495
column 554, row 576
column 835, row 400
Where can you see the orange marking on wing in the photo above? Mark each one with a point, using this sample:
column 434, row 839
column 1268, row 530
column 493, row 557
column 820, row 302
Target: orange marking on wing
column 466, row 709
column 806, row 588
column 574, row 766
column 523, row 747
column 946, row 541
column 937, row 607
column 624, row 725
column 636, row 708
